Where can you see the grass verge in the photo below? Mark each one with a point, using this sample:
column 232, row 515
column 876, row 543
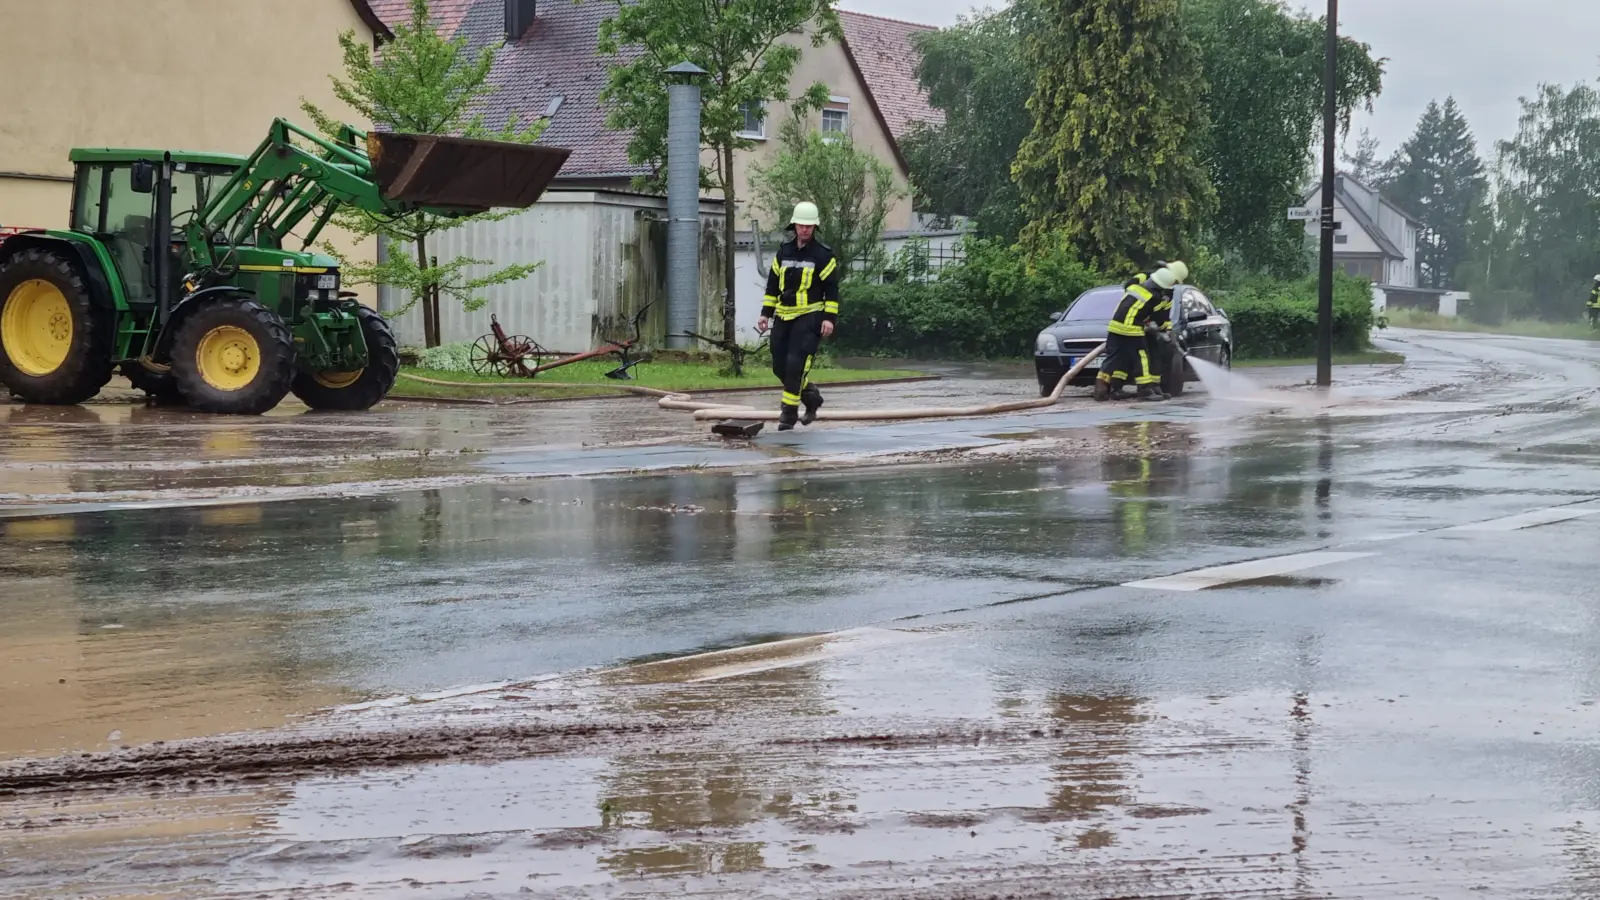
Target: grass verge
column 589, row 378
column 1364, row 358
column 1412, row 318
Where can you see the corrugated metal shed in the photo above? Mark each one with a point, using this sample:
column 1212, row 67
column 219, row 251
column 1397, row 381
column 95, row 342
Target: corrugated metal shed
column 604, row 257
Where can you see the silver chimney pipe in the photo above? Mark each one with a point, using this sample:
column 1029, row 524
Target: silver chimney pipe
column 683, row 204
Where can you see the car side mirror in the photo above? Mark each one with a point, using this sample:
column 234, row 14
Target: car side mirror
column 1196, row 315
column 1056, row 316
column 143, row 177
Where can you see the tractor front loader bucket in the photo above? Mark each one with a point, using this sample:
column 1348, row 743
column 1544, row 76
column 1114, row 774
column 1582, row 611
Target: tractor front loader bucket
column 461, row 173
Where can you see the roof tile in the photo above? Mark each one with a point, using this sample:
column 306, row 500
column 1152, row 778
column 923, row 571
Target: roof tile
column 887, row 57
column 557, row 57
column 447, row 14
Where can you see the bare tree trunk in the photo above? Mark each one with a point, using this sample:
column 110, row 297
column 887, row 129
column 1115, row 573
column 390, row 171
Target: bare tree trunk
column 433, row 304
column 429, row 299
column 729, row 267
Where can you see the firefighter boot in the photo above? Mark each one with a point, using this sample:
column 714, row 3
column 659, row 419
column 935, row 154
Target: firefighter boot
column 1102, row 389
column 1148, row 393
column 787, row 416
column 811, row 398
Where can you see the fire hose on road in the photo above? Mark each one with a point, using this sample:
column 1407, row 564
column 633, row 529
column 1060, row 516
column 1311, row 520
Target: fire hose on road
column 702, row 410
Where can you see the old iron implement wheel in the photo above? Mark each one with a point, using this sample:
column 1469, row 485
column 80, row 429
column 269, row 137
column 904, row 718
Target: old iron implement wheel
column 507, row 356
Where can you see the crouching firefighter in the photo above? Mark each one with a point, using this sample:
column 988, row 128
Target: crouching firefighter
column 1127, row 357
column 1158, row 340
column 802, row 308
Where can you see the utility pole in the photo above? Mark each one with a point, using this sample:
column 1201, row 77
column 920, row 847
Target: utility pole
column 1330, row 112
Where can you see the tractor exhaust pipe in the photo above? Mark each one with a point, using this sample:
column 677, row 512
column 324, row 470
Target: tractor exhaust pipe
column 161, row 240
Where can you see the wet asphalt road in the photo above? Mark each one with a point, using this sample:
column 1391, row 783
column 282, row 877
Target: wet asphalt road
column 991, row 685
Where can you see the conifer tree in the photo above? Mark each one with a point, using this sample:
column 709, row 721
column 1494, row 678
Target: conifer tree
column 1110, row 165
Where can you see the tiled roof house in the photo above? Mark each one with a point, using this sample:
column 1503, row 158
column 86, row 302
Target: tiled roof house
column 549, row 67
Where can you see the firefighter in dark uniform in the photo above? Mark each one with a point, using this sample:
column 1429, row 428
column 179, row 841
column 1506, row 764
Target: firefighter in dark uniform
column 1126, row 357
column 1594, row 304
column 802, row 308
column 1158, row 338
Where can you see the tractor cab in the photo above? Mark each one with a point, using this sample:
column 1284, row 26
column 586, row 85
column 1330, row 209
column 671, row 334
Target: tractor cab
column 113, row 199
column 176, row 269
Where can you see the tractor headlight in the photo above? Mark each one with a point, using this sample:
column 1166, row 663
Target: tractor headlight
column 1046, row 344
column 328, row 282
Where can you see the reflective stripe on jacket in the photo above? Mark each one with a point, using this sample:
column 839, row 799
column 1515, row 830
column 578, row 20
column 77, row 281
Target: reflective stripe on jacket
column 802, row 280
column 1132, row 313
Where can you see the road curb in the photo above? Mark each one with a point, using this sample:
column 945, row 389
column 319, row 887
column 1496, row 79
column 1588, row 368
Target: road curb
column 524, row 401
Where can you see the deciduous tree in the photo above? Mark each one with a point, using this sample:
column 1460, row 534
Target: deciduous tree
column 974, row 73
column 1264, row 68
column 1110, row 164
column 747, row 49
column 1549, row 203
column 420, row 83
column 853, row 190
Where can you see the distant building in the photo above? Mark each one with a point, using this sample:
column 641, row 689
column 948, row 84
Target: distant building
column 550, row 68
column 601, row 244
column 1377, row 240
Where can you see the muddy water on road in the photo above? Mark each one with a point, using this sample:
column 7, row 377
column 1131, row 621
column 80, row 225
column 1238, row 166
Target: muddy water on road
column 998, row 715
column 140, row 625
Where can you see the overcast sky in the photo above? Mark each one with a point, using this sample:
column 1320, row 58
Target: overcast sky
column 1485, row 52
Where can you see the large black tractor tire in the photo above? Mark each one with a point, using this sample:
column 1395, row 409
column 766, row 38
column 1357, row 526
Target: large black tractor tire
column 55, row 341
column 233, row 356
column 361, row 389
column 160, row 387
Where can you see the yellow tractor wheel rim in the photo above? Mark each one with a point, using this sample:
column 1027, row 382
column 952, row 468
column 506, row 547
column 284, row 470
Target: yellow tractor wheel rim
column 36, row 327
column 337, row 380
column 228, row 357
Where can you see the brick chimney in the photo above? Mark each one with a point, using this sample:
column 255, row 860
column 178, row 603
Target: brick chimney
column 519, row 18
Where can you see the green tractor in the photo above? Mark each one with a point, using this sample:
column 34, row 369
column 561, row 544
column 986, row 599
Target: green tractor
column 177, row 267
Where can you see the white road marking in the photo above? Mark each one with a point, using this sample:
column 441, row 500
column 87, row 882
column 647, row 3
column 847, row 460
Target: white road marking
column 1531, row 519
column 1249, row 571
column 1388, row 536
column 719, row 664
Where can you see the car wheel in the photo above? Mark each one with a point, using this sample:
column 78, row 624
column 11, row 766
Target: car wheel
column 1176, row 374
column 1225, row 357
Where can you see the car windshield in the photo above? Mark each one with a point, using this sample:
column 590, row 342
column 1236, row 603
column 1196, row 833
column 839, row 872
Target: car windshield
column 1099, row 304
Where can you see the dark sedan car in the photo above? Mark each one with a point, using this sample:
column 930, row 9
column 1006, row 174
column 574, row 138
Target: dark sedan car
column 1200, row 328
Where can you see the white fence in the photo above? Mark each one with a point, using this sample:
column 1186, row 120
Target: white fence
column 750, row 270
column 603, row 255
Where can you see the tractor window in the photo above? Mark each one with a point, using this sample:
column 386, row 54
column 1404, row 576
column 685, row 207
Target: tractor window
column 186, row 198
column 89, row 193
column 192, row 188
column 127, row 218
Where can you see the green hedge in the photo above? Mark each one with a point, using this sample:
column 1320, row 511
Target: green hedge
column 995, row 303
column 991, row 305
column 1275, row 319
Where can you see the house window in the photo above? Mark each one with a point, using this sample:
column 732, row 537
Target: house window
column 755, row 119
column 1370, row 269
column 836, row 116
column 1341, row 239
